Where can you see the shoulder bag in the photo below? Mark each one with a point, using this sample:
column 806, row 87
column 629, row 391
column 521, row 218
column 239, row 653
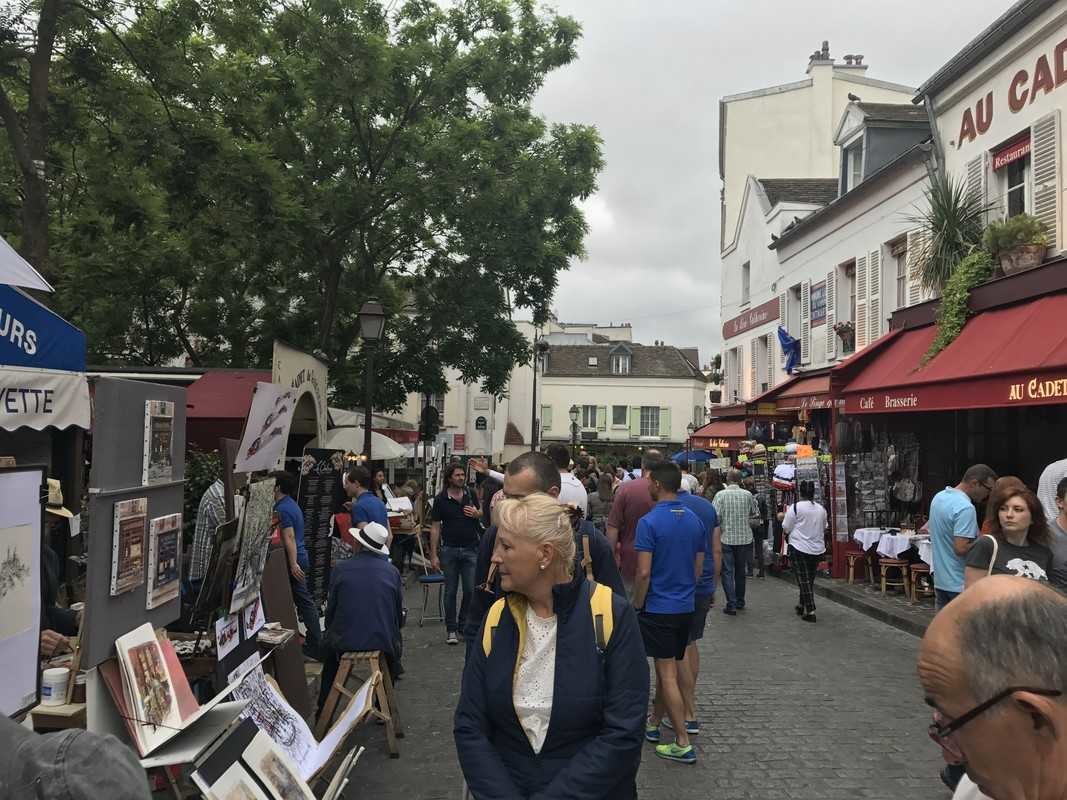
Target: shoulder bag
column 993, row 558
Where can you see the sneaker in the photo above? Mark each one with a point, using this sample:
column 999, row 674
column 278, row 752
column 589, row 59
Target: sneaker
column 672, row 752
column 730, row 610
column 692, row 726
column 453, row 638
column 809, row 617
column 651, row 732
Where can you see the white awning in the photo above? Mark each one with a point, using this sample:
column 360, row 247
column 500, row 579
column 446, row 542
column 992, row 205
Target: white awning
column 350, row 439
column 16, row 271
column 40, row 398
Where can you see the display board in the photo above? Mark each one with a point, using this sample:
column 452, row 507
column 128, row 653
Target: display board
column 21, row 521
column 119, row 457
column 319, row 497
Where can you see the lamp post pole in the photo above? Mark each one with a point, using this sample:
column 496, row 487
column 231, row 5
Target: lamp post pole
column 371, row 326
column 689, row 442
column 573, row 414
column 539, row 347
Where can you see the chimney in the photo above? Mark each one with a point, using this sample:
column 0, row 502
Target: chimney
column 853, row 62
column 820, row 57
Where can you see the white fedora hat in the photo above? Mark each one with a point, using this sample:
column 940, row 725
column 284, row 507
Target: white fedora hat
column 372, row 536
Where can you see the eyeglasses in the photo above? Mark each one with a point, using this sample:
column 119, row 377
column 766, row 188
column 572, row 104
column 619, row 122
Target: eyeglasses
column 941, row 731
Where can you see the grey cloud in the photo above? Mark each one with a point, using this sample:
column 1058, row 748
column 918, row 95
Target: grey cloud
column 649, row 76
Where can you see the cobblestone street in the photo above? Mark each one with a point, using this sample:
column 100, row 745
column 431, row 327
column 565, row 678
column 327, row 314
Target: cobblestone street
column 789, row 710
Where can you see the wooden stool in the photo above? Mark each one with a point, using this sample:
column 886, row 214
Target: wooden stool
column 385, row 707
column 888, row 564
column 920, row 572
column 856, row 555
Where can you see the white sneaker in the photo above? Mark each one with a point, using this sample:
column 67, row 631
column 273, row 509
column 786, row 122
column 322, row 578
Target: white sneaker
column 452, row 638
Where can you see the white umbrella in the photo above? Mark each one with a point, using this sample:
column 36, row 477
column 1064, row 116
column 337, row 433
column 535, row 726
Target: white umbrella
column 350, row 439
column 16, row 271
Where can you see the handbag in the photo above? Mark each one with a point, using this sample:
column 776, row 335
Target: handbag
column 993, row 558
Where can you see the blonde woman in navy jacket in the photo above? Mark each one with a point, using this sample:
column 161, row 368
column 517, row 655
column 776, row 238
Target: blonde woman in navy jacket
column 546, row 711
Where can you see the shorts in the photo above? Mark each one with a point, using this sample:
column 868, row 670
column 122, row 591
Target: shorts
column 665, row 635
column 700, row 617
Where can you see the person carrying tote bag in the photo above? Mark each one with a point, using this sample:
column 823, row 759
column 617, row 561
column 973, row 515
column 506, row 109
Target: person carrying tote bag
column 1018, row 537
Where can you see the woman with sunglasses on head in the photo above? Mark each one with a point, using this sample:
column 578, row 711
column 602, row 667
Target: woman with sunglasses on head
column 555, row 687
column 1018, row 536
column 805, row 523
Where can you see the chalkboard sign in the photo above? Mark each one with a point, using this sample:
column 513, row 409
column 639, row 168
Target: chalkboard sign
column 320, row 496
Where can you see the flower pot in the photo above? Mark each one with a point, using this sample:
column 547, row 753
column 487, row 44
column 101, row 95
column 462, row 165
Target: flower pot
column 1021, row 258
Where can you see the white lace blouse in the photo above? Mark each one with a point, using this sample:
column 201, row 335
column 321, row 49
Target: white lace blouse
column 534, row 681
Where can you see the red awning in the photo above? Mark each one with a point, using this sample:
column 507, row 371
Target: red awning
column 1010, row 356
column 223, row 394
column 801, row 392
column 723, row 434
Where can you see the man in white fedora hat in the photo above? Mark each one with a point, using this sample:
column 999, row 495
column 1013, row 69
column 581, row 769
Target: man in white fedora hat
column 365, row 609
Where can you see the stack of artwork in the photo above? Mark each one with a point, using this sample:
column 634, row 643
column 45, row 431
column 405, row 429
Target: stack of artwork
column 248, row 765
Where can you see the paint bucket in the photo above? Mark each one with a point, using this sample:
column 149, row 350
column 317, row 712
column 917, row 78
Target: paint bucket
column 54, row 686
column 78, row 695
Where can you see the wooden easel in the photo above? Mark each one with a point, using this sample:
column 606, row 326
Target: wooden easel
column 385, row 707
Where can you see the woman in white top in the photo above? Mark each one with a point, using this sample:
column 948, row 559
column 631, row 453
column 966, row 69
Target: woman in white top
column 805, row 522
column 555, row 689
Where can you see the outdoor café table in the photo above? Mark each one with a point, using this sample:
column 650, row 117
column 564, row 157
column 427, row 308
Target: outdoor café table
column 869, row 537
column 891, row 545
column 925, row 548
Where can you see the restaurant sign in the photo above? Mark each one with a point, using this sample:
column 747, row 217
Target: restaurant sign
column 753, row 318
column 993, row 392
column 714, row 444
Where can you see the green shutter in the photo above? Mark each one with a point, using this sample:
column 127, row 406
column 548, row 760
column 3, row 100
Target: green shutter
column 665, row 423
column 635, row 421
column 601, row 418
column 546, row 418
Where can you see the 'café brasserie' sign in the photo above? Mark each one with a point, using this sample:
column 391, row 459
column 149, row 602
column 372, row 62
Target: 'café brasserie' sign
column 753, row 318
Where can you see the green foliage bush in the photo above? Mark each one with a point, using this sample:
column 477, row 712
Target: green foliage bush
column 1013, row 232
column 953, row 312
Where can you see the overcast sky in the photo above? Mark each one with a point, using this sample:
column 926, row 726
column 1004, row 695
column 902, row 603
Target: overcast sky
column 649, row 75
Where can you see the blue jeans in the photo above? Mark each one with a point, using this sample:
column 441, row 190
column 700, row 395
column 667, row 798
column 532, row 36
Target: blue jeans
column 458, row 563
column 306, row 608
column 735, row 561
column 944, row 597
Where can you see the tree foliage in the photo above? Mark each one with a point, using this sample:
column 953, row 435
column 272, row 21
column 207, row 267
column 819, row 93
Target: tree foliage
column 223, row 173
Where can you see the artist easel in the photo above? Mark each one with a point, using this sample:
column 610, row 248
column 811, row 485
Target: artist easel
column 385, row 707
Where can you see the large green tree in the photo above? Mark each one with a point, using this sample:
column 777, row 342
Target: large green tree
column 228, row 172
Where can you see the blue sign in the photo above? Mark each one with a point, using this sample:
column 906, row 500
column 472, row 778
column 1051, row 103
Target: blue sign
column 33, row 336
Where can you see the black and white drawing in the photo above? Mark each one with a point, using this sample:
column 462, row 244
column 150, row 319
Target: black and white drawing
column 255, row 527
column 274, row 716
column 16, row 584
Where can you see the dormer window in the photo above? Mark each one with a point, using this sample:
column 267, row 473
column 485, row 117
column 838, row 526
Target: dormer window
column 620, row 364
column 853, row 165
column 594, row 361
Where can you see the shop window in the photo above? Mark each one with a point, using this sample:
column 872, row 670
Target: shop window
column 589, row 417
column 618, row 416
column 1017, row 181
column 650, row 420
column 746, row 282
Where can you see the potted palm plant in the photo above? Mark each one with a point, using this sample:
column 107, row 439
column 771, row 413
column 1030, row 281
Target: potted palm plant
column 1019, row 242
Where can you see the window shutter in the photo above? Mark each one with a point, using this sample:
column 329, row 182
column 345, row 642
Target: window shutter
column 874, row 295
column 665, row 423
column 861, row 321
column 976, row 179
column 635, row 421
column 753, row 379
column 831, row 314
column 916, row 256
column 1044, row 149
column 770, row 359
column 601, row 418
column 782, row 322
column 546, row 418
column 805, row 322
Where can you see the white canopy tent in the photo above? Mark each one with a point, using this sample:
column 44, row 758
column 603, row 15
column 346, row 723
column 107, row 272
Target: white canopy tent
column 16, row 271
column 350, row 439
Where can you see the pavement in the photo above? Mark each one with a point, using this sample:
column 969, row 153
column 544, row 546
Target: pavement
column 789, row 710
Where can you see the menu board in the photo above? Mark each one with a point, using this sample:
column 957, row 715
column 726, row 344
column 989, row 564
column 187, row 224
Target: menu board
column 320, row 497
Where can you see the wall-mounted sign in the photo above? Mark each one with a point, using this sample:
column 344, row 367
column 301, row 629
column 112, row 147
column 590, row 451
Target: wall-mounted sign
column 753, row 318
column 994, row 392
column 459, row 442
column 481, row 424
column 818, row 304
column 1013, row 152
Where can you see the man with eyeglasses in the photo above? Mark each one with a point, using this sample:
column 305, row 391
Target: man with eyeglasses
column 993, row 666
column 528, row 474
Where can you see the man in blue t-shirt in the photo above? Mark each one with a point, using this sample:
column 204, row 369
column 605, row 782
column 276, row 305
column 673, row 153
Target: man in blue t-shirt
column 367, row 507
column 954, row 527
column 689, row 669
column 291, row 523
column 670, row 544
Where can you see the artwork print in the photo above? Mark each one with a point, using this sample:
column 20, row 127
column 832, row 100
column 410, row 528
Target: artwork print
column 227, row 634
column 236, row 784
column 154, row 694
column 17, row 589
column 164, row 560
column 274, row 768
column 158, row 464
column 273, row 715
column 266, row 428
column 253, row 618
column 256, row 520
column 128, row 545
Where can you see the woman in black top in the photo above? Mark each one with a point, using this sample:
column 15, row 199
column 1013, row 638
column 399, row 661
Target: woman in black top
column 1018, row 538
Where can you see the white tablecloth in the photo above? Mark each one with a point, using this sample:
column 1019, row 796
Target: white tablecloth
column 926, row 551
column 869, row 537
column 892, row 545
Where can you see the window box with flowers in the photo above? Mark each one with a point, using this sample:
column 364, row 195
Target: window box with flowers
column 846, row 332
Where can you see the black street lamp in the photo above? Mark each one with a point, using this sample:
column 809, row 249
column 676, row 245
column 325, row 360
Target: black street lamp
column 689, row 441
column 371, row 327
column 573, row 414
column 540, row 347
